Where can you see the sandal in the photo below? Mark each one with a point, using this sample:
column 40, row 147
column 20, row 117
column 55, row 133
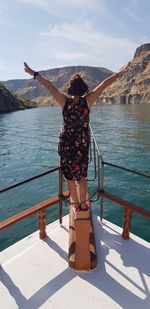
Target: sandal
column 87, row 206
column 77, row 207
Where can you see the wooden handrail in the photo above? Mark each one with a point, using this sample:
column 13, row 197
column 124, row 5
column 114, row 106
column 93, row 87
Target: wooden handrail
column 129, row 208
column 124, row 203
column 31, row 211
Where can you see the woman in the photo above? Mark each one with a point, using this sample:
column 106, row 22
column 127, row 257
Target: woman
column 74, row 138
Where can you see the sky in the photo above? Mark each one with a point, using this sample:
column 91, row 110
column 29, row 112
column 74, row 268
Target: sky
column 56, row 33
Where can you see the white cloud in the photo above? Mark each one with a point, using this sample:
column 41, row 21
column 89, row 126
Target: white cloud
column 84, row 33
column 89, row 45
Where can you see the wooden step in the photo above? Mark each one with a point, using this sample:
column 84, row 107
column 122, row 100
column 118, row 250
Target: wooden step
column 82, row 249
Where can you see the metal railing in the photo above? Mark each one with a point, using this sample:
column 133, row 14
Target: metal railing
column 96, row 155
column 30, row 179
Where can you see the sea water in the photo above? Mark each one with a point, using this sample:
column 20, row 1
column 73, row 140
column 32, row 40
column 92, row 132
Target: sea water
column 28, row 146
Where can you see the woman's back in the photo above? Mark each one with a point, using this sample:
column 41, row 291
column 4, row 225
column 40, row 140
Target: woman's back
column 76, row 114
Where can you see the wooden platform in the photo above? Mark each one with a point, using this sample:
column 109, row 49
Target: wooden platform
column 82, row 248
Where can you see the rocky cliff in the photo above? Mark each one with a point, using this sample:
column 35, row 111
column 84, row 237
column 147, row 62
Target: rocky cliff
column 134, row 86
column 9, row 102
column 32, row 90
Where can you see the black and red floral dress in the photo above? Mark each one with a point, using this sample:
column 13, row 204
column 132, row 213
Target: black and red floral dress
column 74, row 139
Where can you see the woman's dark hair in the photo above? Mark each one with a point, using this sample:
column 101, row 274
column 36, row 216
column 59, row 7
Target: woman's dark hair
column 77, row 87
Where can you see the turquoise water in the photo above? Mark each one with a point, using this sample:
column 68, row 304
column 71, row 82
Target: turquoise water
column 28, row 146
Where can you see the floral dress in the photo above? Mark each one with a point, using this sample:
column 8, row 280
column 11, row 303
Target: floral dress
column 74, row 139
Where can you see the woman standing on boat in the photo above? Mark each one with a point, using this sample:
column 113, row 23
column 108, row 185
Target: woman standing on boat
column 74, row 138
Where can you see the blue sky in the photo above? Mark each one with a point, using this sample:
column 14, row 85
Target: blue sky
column 56, row 33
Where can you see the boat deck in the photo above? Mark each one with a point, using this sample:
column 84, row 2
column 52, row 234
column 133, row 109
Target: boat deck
column 35, row 274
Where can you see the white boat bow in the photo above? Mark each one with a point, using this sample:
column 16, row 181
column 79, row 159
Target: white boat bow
column 35, row 274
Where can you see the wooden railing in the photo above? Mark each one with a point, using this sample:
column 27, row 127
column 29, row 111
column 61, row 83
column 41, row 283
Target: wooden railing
column 39, row 209
column 129, row 208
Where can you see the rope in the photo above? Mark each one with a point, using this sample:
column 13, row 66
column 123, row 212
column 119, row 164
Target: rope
column 64, row 198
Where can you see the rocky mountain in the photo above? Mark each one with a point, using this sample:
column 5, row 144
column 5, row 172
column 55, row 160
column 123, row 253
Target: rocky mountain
column 10, row 102
column 134, row 86
column 32, row 90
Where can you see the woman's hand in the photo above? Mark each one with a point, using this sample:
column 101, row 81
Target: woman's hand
column 28, row 69
column 124, row 69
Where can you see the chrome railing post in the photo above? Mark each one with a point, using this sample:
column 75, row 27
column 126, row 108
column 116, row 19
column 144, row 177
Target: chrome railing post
column 90, row 148
column 60, row 192
column 94, row 150
column 100, row 182
column 101, row 187
column 94, row 156
column 98, row 173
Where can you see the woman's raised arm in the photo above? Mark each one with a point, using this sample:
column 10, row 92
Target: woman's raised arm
column 59, row 97
column 95, row 93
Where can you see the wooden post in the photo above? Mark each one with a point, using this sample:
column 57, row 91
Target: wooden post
column 42, row 224
column 82, row 249
column 72, row 239
column 127, row 223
